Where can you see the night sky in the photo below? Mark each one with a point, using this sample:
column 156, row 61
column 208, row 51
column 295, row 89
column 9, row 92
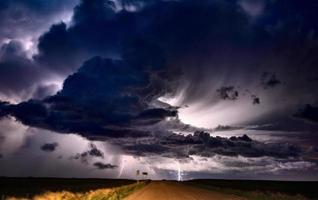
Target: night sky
column 181, row 89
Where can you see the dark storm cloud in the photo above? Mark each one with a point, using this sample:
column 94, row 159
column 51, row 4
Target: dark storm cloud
column 256, row 100
column 308, row 112
column 202, row 144
column 21, row 22
column 82, row 40
column 57, row 51
column 93, row 151
column 18, row 73
column 226, row 128
column 104, row 98
column 228, row 93
column 100, row 165
column 152, row 57
column 3, row 105
column 269, row 80
column 49, row 147
column 24, row 18
column 216, row 31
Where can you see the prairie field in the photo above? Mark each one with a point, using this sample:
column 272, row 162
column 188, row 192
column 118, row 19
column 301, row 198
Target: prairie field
column 108, row 189
column 66, row 189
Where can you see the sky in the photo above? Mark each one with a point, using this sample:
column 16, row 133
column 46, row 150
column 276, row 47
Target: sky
column 180, row 89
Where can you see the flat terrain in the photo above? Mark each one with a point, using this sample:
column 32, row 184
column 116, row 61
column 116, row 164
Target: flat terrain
column 167, row 190
column 96, row 189
column 261, row 189
column 28, row 187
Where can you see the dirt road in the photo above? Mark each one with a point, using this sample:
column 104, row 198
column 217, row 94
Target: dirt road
column 165, row 190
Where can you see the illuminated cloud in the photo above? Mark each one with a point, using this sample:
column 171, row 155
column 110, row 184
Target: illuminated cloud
column 123, row 71
column 254, row 8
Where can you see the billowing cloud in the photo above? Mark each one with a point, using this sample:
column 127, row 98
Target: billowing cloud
column 13, row 64
column 221, row 47
column 122, row 90
column 156, row 164
column 22, row 22
column 130, row 69
column 114, row 97
column 201, row 143
column 24, row 19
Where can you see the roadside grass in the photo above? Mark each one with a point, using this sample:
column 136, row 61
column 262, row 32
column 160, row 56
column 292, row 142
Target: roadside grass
column 117, row 193
column 30, row 187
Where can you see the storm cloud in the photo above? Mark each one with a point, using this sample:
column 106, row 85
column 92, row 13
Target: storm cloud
column 13, row 64
column 269, row 80
column 112, row 97
column 228, row 93
column 146, row 74
column 100, row 165
column 23, row 19
column 86, row 156
column 308, row 112
column 202, row 144
column 104, row 98
column 215, row 31
column 49, row 147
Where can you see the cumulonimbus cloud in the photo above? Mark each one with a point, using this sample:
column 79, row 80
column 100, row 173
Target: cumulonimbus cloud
column 114, row 97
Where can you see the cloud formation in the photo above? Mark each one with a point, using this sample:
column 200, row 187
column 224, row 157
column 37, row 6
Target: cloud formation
column 101, row 166
column 23, row 19
column 221, row 47
column 49, row 147
column 256, row 100
column 104, row 98
column 13, row 64
column 202, row 144
column 93, row 151
column 308, row 112
column 269, row 80
column 228, row 93
column 119, row 57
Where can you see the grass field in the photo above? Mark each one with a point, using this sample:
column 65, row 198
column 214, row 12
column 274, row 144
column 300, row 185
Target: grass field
column 106, row 189
column 262, row 190
column 66, row 189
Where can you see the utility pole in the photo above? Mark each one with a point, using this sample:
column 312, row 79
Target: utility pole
column 137, row 175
